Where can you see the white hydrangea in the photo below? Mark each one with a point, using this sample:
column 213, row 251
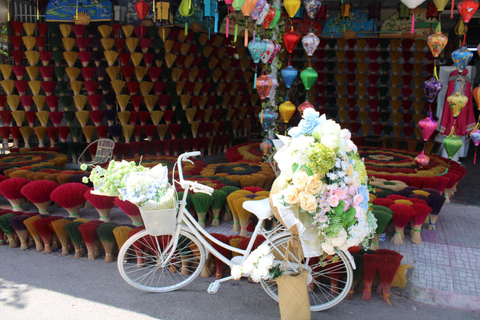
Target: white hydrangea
column 237, row 272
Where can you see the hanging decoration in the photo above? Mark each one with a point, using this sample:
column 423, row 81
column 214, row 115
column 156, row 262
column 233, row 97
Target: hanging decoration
column 264, row 85
column 256, row 47
column 437, row 42
column 432, row 87
column 210, row 11
column 292, row 6
column 312, row 7
column 310, row 43
column 305, row 105
column 290, row 39
column 186, row 9
column 308, row 76
column 289, row 74
column 467, row 9
column 412, row 4
column 461, row 58
column 247, row 9
column 452, row 144
column 422, row 159
column 286, row 109
column 475, row 135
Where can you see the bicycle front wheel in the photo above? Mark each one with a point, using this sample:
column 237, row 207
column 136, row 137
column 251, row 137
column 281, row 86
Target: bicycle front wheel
column 330, row 277
column 142, row 261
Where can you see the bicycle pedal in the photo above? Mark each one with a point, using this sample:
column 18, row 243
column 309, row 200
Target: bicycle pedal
column 213, row 287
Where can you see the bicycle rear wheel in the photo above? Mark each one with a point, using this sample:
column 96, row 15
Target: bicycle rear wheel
column 141, row 261
column 331, row 276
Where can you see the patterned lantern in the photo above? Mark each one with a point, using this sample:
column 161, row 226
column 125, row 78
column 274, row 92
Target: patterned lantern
column 267, row 119
column 310, row 43
column 476, row 140
column 256, row 47
column 427, row 127
column 422, row 159
column 436, row 42
column 312, row 7
column 264, row 85
column 457, row 102
column 452, row 144
column 271, row 93
column 270, row 47
column 432, row 87
column 461, row 58
column 467, row 9
column 302, row 107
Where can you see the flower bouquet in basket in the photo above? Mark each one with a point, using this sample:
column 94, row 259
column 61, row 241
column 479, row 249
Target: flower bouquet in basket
column 322, row 189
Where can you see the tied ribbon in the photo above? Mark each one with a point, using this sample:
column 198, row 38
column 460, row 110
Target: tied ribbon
column 138, row 223
column 386, row 296
column 375, row 243
column 398, row 232
column 201, row 220
column 417, row 230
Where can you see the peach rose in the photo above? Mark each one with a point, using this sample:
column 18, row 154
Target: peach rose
column 357, row 199
column 333, row 201
column 291, row 195
column 350, row 170
column 339, row 192
column 300, row 179
column 314, row 185
column 308, row 202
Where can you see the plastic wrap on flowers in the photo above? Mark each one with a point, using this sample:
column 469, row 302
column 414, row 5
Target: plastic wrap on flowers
column 322, row 189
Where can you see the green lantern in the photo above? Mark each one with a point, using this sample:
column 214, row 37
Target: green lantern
column 308, row 76
column 452, row 144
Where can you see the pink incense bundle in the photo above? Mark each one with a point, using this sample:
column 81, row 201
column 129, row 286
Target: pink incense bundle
column 82, row 43
column 56, row 117
column 158, row 86
column 143, row 116
column 52, row 102
column 5, row 133
column 48, row 87
column 119, row 44
column 137, row 132
column 91, row 86
column 168, row 116
column 79, row 30
column 421, row 213
column 27, row 102
column 135, row 147
column 45, row 56
column 45, row 231
column 102, row 204
column 85, row 57
column 102, row 131
column 131, row 210
column 133, row 117
column 158, row 146
column 52, row 135
column 150, row 130
column 88, row 231
column 138, row 246
column 219, row 264
column 38, row 192
column 163, row 102
column 383, row 202
column 128, row 72
column 10, row 189
column 95, row 100
column 22, row 87
column 63, row 132
column 17, row 56
column 88, row 73
column 402, row 214
column 136, row 101
column 46, row 72
column 97, row 117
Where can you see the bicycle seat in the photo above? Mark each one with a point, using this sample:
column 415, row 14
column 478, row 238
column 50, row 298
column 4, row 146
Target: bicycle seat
column 260, row 208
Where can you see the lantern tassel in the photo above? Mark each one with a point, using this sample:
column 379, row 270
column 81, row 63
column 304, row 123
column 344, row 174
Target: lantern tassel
column 8, row 10
column 451, row 10
column 475, row 156
column 464, row 38
column 235, row 34
column 154, row 9
column 246, row 36
column 435, row 69
column 412, row 30
column 446, row 170
column 227, row 27
column 216, row 21
column 255, row 79
column 186, row 28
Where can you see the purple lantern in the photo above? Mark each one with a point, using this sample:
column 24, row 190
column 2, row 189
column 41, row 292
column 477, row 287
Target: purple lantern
column 432, row 87
column 476, row 140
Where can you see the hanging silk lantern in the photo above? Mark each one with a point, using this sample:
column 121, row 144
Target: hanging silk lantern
column 264, row 85
column 257, row 9
column 267, row 119
column 237, row 5
column 422, row 159
column 310, row 43
column 186, row 9
column 275, row 52
column 266, row 147
column 256, row 48
column 467, row 9
column 272, row 13
column 432, row 87
column 457, row 102
column 452, row 144
column 461, row 58
column 412, row 4
column 290, row 39
column 271, row 93
column 141, row 8
column 292, row 7
column 437, row 42
column 427, row 127
column 288, row 75
column 312, row 7
column 269, row 48
column 248, row 6
column 308, row 76
column 440, row 4
column 286, row 109
column 476, row 141
column 305, row 105
column 263, row 14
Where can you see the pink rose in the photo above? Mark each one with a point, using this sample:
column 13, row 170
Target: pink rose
column 347, row 205
column 333, row 201
column 352, row 191
column 340, row 193
column 358, row 213
column 357, row 199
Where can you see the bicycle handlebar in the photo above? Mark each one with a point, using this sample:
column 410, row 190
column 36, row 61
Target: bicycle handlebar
column 193, row 185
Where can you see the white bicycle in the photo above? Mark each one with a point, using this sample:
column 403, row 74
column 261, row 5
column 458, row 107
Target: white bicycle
column 167, row 262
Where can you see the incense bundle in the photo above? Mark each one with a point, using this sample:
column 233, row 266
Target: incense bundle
column 97, row 117
column 150, row 101
column 20, row 229
column 219, row 198
column 114, row 71
column 38, row 192
column 10, row 189
column 15, row 132
column 102, row 204
column 18, row 116
column 388, row 264
column 52, row 102
column 89, row 236
column 32, row 72
column 111, row 56
column 118, row 86
column 127, row 131
column 75, row 236
column 225, row 252
column 29, row 223
column 88, row 132
column 150, row 130
column 435, row 201
column 32, row 57
column 143, row 116
column 45, row 232
column 18, row 70
column 124, row 117
column 136, row 58
column 8, row 85
column 95, row 100
column 421, row 213
column 13, row 101
column 91, row 86
column 75, row 132
column 52, row 135
column 7, row 228
column 162, row 131
column 156, row 116
column 130, row 210
column 140, row 72
column 370, row 266
column 383, row 216
column 72, row 73
column 82, row 116
column 70, row 196
column 121, row 234
column 402, row 214
column 107, row 237
column 43, row 117
column 107, row 43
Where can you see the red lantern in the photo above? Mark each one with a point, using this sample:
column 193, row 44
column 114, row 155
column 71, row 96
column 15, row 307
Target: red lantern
column 290, row 39
column 142, row 8
column 467, row 9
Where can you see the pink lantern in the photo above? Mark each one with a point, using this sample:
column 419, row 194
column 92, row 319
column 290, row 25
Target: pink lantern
column 302, row 107
column 427, row 127
column 422, row 159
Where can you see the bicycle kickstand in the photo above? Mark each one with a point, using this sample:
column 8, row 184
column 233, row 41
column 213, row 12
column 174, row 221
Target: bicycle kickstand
column 213, row 287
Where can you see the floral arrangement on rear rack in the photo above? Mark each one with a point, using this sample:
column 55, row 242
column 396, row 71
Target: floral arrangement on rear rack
column 323, row 183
